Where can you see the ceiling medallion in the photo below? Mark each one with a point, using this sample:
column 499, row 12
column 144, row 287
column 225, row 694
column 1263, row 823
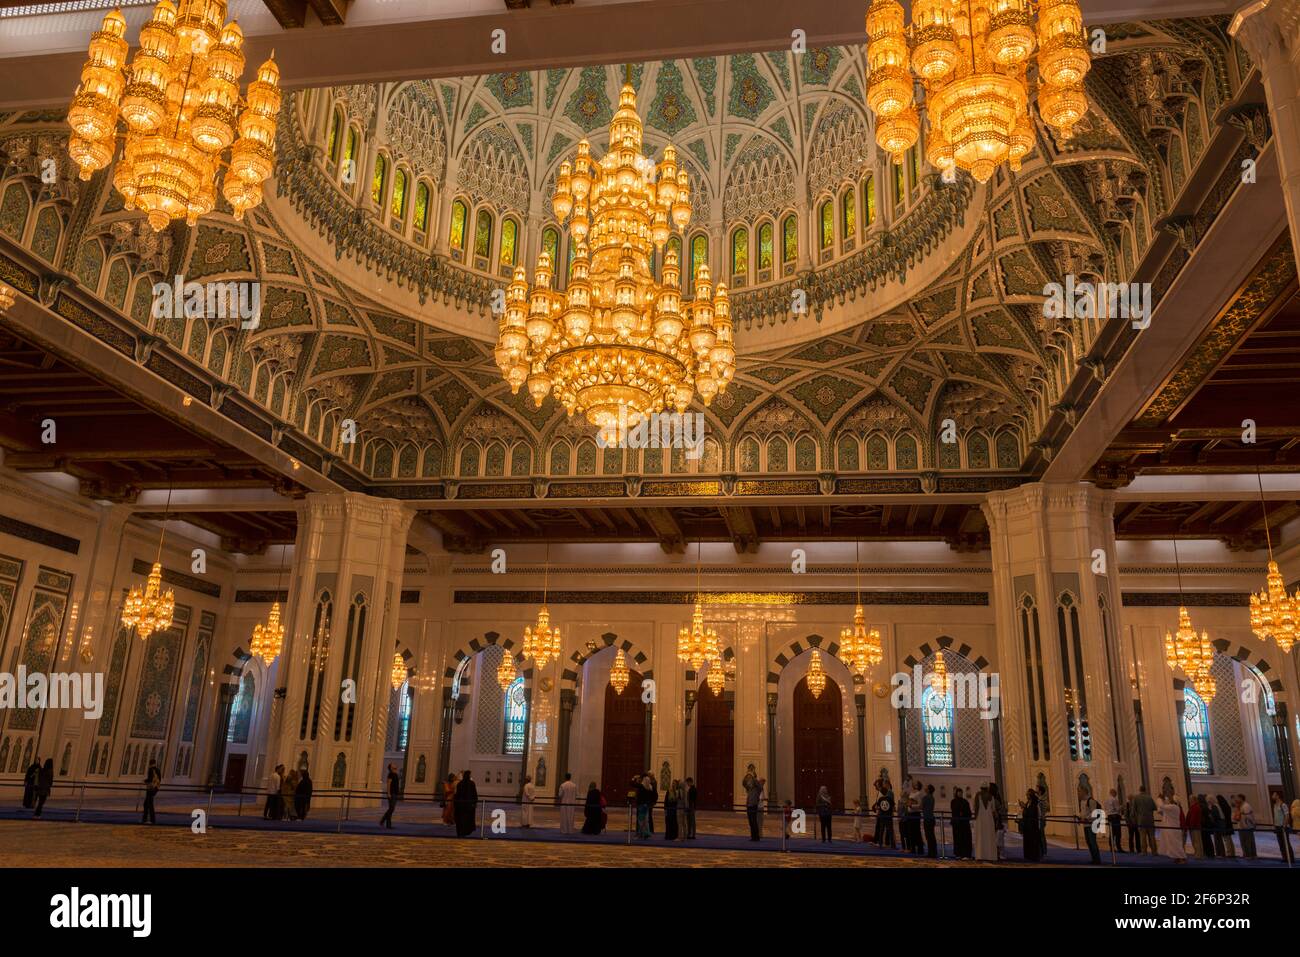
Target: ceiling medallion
column 618, row 345
column 972, row 57
column 179, row 102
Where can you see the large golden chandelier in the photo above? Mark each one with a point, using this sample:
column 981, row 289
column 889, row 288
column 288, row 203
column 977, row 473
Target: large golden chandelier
column 1193, row 653
column 618, row 673
column 268, row 636
column 151, row 609
column 1273, row 613
column 179, row 102
column 860, row 649
column 543, row 642
column 716, row 678
column 506, row 671
column 816, row 677
column 617, row 345
column 398, row 673
column 972, row 57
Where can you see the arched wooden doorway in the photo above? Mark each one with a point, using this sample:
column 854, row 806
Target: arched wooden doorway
column 714, row 750
column 818, row 744
column 623, row 742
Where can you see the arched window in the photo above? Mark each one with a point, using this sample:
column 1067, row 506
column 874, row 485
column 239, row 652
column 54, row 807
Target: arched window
column 483, row 235
column 674, row 246
column 789, row 239
column 422, row 207
column 336, row 136
column 348, row 170
column 379, row 181
column 1196, row 732
column 936, row 727
column 826, row 217
column 898, row 184
column 459, row 213
column 869, row 198
column 765, row 246
column 699, row 257
column 551, row 246
column 509, row 238
column 740, row 252
column 403, row 715
column 516, row 718
column 848, row 214
column 398, row 204
column 241, row 711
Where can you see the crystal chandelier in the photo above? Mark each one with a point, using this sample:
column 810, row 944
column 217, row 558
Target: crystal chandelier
column 506, row 671
column 151, row 609
column 268, row 636
column 398, row 674
column 860, row 649
column 1273, row 613
column 716, row 678
column 816, row 676
column 618, row 673
column 179, row 103
column 618, row 345
column 940, row 680
column 543, row 643
column 1189, row 651
column 972, row 58
column 8, row 296
column 698, row 644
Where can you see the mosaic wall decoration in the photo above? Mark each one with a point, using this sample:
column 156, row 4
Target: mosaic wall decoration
column 970, row 731
column 198, row 669
column 11, row 570
column 113, row 681
column 40, row 637
column 1227, row 743
column 491, row 701
column 156, row 693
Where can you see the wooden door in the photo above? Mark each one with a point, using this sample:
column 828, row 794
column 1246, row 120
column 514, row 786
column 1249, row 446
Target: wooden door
column 818, row 745
column 714, row 749
column 236, row 764
column 623, row 744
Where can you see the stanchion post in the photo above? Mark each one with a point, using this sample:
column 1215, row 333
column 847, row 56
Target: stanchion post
column 81, row 801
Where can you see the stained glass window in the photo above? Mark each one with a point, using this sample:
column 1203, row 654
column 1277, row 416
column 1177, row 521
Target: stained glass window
column 458, row 214
column 765, row 246
column 699, row 256
column 398, row 204
column 509, row 233
column 827, row 218
column 1196, row 733
column 789, row 239
column 869, row 198
column 551, row 245
column 936, row 725
column 675, row 244
column 516, row 714
column 380, row 179
column 349, row 168
column 241, row 711
column 403, row 715
column 914, row 166
column 483, row 234
column 740, row 252
column 849, row 213
column 898, row 184
column 422, row 207
column 336, row 129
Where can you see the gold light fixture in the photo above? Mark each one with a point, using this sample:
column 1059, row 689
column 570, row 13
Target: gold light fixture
column 87, row 650
column 860, row 649
column 940, row 680
column 618, row 345
column 698, row 644
column 543, row 643
column 150, row 609
column 398, row 674
column 179, row 103
column 816, row 676
column 506, row 671
column 618, row 673
column 268, row 636
column 1186, row 650
column 1273, row 613
column 972, row 57
column 8, row 296
column 716, row 678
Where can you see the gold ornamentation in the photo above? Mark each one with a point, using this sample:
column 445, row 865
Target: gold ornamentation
column 816, row 677
column 618, row 673
column 398, row 674
column 506, row 671
column 268, row 636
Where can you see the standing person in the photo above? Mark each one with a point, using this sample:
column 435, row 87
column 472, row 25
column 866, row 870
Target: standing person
column 1000, row 816
column 1225, row 826
column 152, row 782
column 986, row 826
column 824, row 813
column 885, row 818
column 302, row 795
column 878, row 787
column 1279, row 828
column 1213, row 830
column 1030, row 834
column 1144, row 809
column 1244, row 816
column 394, row 791
column 1171, row 831
column 753, row 786
column 568, row 801
column 857, row 822
column 692, row 795
column 466, row 805
column 1044, row 808
column 652, row 798
column 1114, row 821
column 288, row 789
column 272, row 794
column 961, row 815
column 592, row 809
column 1195, row 823
column 1088, row 817
column 670, row 810
column 927, row 816
column 44, row 784
column 641, row 794
column 29, row 783
column 449, row 800
column 529, row 794
column 1130, row 818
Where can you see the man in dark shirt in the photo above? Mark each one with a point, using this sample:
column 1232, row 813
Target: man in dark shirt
column 692, row 793
column 394, row 792
column 927, row 818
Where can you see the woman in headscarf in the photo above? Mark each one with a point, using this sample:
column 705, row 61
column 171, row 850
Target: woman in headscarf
column 29, row 783
column 670, row 810
column 289, row 788
column 44, row 784
column 1203, row 843
column 302, row 795
column 824, row 813
column 1000, row 817
column 466, row 805
column 1194, row 825
column 1225, row 825
column 449, row 799
column 961, row 839
column 1030, row 835
column 593, row 810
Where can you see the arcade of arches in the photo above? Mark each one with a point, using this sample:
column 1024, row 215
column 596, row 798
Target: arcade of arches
column 1031, row 497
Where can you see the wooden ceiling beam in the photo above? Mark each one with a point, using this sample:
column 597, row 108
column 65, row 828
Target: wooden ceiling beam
column 666, row 528
column 740, row 526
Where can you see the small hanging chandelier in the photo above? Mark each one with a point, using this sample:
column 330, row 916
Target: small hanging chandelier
column 151, row 609
column 8, row 296
column 618, row 673
column 179, row 103
column 543, row 643
column 1189, row 651
column 398, row 674
column 268, row 636
column 860, row 649
column 940, row 680
column 716, row 678
column 87, row 650
column 816, row 676
column 1273, row 613
column 506, row 671
column 698, row 644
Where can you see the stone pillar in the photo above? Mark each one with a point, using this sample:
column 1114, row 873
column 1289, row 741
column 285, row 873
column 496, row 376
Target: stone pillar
column 563, row 732
column 860, row 706
column 1282, row 738
column 1270, row 32
column 350, row 547
column 1054, row 564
